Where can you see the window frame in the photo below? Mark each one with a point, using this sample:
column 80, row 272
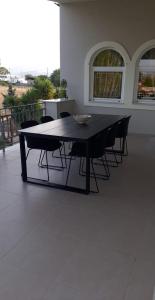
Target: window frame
column 146, row 70
column 108, row 70
column 135, row 74
column 89, row 75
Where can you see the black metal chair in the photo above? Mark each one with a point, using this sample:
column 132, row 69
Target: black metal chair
column 110, row 143
column 65, row 114
column 37, row 143
column 27, row 124
column 97, row 150
column 122, row 132
column 45, row 119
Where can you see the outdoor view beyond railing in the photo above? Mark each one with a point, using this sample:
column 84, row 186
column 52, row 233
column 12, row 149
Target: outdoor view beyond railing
column 12, row 117
column 24, row 101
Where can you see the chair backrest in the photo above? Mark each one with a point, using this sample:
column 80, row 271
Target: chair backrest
column 98, row 143
column 45, row 119
column 29, row 123
column 122, row 130
column 64, row 114
column 31, row 142
column 111, row 135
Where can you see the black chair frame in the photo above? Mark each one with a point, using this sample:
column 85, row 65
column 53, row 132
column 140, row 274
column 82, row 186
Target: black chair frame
column 97, row 150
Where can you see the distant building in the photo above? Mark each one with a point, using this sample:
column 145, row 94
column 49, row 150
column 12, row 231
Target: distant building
column 12, row 79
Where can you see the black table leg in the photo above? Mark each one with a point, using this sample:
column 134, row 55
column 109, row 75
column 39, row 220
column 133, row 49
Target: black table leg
column 87, row 169
column 123, row 145
column 23, row 157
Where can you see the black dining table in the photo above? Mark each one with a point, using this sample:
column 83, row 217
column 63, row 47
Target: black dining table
column 66, row 129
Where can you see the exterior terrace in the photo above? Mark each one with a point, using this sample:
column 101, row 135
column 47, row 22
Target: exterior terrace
column 62, row 245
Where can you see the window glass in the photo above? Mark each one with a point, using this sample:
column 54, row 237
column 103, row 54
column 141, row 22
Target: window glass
column 146, row 76
column 107, row 85
column 108, row 58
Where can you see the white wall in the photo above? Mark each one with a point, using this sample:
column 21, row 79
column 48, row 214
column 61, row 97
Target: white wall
column 130, row 23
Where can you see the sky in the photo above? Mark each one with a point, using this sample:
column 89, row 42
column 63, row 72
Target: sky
column 29, row 36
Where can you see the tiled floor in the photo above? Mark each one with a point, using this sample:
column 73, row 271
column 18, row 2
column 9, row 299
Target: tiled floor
column 57, row 245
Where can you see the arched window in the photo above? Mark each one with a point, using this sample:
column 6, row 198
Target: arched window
column 106, row 72
column 108, row 75
column 146, row 77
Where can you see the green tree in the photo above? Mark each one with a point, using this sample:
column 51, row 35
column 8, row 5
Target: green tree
column 4, row 71
column 44, row 88
column 42, row 76
column 29, row 77
column 41, row 89
column 31, row 96
column 10, row 99
column 11, row 91
column 63, row 89
column 55, row 77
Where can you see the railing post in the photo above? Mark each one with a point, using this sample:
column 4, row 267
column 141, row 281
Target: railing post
column 2, row 133
column 11, row 118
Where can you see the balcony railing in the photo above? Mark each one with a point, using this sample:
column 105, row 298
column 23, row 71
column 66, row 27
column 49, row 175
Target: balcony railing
column 12, row 117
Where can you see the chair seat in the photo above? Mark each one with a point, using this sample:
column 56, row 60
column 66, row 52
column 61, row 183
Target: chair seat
column 79, row 150
column 43, row 144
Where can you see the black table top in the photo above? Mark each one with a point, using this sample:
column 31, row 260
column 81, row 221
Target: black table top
column 69, row 129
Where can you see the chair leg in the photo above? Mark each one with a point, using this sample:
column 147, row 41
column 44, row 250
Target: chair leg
column 121, row 150
column 70, row 145
column 47, row 165
column 80, row 165
column 70, row 160
column 98, row 176
column 126, row 146
column 41, row 162
column 94, row 176
column 65, row 154
column 61, row 158
column 54, row 167
column 28, row 153
column 40, row 156
column 115, row 157
column 106, row 166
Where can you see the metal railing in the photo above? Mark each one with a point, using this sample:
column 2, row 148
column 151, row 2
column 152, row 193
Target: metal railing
column 12, row 117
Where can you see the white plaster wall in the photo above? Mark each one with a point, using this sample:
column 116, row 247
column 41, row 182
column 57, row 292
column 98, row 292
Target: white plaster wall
column 130, row 23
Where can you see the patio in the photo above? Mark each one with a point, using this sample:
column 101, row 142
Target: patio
column 60, row 245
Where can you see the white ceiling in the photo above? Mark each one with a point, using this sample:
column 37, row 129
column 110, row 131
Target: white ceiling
column 70, row 1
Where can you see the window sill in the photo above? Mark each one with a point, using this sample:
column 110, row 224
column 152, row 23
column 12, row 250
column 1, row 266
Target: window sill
column 107, row 100
column 140, row 106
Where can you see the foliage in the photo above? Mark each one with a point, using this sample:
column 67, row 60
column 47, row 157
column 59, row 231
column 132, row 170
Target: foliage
column 29, row 77
column 60, row 85
column 42, row 77
column 62, row 93
column 63, row 89
column 11, row 101
column 44, row 87
column 30, row 96
column 4, row 71
column 2, row 143
column 3, row 83
column 63, row 83
column 55, row 78
column 11, row 91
